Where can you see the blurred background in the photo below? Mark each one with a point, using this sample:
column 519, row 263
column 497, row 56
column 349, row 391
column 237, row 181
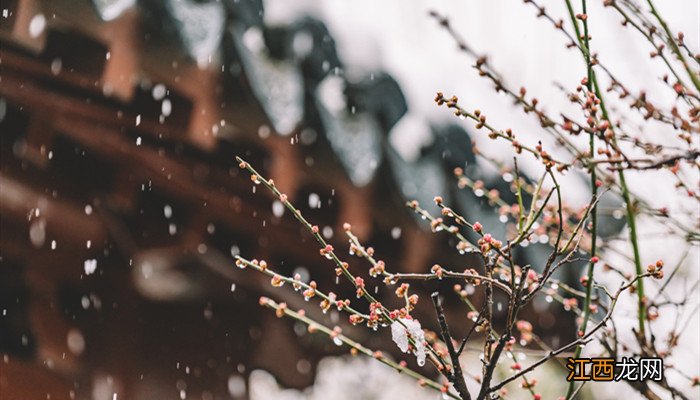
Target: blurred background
column 122, row 205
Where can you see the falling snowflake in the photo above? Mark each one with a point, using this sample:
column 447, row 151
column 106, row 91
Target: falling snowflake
column 90, row 266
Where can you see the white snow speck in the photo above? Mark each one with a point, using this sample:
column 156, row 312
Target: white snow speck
column 236, row 386
column 277, row 208
column 90, row 266
column 327, row 232
column 314, row 200
column 37, row 25
column 235, row 250
column 166, row 107
column 159, row 91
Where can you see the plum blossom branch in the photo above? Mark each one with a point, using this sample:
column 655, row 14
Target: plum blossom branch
column 282, row 310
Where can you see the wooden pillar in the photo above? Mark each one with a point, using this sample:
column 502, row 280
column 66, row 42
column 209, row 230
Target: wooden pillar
column 286, row 165
column 123, row 38
column 356, row 208
column 206, row 112
column 419, row 246
column 30, row 24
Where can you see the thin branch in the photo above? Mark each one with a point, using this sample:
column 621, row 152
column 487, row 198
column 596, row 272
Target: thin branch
column 456, row 377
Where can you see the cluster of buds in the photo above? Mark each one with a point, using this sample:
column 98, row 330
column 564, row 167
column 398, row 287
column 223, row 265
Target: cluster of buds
column 437, row 270
column 400, row 313
column 375, row 314
column 517, row 146
column 509, row 344
column 340, row 304
column 525, row 329
column 656, row 270
column 546, row 157
column 652, row 313
column 281, row 308
column 436, row 224
column 568, row 125
column 297, row 282
column 462, row 246
column 487, row 242
column 482, row 123
column 277, row 280
column 339, row 270
column 327, row 251
column 390, row 280
column 531, row 277
column 326, row 303
column 360, row 285
column 377, row 269
column 335, row 332
column 570, row 303
column 402, row 290
column 446, row 211
column 440, row 100
column 473, row 272
column 311, row 291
